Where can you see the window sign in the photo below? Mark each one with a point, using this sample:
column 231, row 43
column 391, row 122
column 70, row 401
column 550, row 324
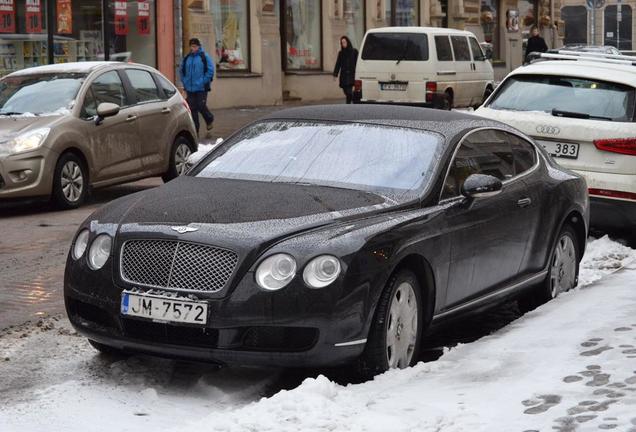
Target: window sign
column 7, row 16
column 33, row 16
column 121, row 18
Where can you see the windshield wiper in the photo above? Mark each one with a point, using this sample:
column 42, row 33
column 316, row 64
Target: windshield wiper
column 571, row 114
column 404, row 52
column 10, row 113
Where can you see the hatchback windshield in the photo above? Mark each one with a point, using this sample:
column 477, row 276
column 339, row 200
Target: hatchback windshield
column 583, row 97
column 395, row 46
column 386, row 160
column 39, row 94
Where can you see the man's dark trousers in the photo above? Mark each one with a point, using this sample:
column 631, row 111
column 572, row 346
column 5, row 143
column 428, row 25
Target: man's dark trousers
column 198, row 104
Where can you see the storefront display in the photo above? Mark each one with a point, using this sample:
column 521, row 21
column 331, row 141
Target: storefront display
column 132, row 37
column 302, row 34
column 402, row 12
column 353, row 15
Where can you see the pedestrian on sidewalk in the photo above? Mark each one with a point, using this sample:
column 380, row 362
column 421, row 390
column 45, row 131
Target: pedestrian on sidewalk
column 535, row 43
column 197, row 73
column 346, row 67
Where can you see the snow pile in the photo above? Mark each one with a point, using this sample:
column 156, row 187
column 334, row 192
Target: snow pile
column 603, row 256
column 203, row 150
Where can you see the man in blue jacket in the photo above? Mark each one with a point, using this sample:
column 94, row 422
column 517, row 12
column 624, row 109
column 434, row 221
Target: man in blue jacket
column 197, row 72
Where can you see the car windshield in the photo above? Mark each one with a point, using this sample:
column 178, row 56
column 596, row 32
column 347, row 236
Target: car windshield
column 39, row 94
column 395, row 46
column 596, row 99
column 389, row 161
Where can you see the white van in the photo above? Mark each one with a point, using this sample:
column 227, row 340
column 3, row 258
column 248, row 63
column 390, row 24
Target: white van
column 426, row 66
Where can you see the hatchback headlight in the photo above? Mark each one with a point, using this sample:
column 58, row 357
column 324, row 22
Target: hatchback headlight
column 321, row 271
column 29, row 140
column 276, row 271
column 81, row 242
column 100, row 251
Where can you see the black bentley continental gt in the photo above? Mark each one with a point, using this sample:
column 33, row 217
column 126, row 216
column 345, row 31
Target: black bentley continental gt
column 329, row 235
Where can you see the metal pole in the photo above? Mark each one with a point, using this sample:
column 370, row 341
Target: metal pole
column 593, row 26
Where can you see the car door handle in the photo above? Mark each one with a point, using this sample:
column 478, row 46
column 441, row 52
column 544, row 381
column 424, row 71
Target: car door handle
column 524, row 202
column 166, row 110
column 131, row 118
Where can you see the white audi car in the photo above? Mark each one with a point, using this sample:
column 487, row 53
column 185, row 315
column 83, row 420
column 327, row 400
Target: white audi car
column 581, row 108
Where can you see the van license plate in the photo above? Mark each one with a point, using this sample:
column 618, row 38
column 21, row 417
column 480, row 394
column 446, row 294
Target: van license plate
column 393, row 86
column 171, row 309
column 563, row 150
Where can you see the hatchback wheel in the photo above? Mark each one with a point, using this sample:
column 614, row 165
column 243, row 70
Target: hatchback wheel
column 563, row 272
column 70, row 182
column 179, row 155
column 394, row 337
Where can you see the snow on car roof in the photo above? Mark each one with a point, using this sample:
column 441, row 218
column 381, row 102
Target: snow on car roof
column 79, row 67
column 618, row 73
column 413, row 29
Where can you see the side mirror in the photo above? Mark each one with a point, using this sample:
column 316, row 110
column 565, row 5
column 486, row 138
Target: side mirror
column 106, row 109
column 481, row 186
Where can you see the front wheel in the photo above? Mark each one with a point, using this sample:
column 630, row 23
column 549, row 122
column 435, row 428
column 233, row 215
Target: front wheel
column 394, row 337
column 70, row 182
column 179, row 155
column 563, row 271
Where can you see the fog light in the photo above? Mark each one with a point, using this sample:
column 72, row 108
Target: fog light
column 21, row 175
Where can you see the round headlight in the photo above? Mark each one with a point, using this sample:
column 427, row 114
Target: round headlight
column 79, row 247
column 99, row 251
column 276, row 271
column 321, row 271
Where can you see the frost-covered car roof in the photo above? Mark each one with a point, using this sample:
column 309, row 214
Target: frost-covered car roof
column 429, row 30
column 77, row 67
column 450, row 124
column 618, row 73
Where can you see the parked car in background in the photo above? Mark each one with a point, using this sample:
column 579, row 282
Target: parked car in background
column 67, row 128
column 423, row 66
column 582, row 110
column 329, row 235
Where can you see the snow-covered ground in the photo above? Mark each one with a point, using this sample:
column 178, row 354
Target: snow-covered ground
column 568, row 366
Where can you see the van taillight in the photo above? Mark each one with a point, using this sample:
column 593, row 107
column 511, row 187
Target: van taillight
column 431, row 89
column 357, row 85
column 617, row 145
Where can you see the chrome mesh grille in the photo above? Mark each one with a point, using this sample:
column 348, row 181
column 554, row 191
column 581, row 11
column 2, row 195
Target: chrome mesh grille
column 176, row 265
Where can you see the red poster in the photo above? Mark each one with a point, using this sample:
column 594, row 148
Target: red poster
column 121, row 17
column 64, row 17
column 7, row 16
column 143, row 17
column 33, row 16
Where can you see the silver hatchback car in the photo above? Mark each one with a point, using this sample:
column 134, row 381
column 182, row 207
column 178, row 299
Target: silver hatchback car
column 67, row 128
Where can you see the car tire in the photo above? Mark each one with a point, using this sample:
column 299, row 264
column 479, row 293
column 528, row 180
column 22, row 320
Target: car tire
column 393, row 320
column 70, row 182
column 106, row 349
column 179, row 152
column 563, row 272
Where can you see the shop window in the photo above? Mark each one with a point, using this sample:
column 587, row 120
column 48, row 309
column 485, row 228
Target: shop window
column 222, row 26
column 143, row 84
column 132, row 31
column 615, row 30
column 575, row 18
column 78, row 34
column 23, row 36
column 302, row 34
column 489, row 23
column 528, row 11
column 354, row 14
column 402, row 12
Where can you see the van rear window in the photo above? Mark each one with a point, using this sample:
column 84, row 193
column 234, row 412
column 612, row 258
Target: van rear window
column 395, row 46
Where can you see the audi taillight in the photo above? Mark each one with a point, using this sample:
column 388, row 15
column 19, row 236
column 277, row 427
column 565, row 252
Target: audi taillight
column 357, row 85
column 431, row 89
column 617, row 145
column 612, row 194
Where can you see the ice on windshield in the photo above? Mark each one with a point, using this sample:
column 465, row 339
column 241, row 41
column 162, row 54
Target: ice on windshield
column 546, row 93
column 355, row 156
column 47, row 94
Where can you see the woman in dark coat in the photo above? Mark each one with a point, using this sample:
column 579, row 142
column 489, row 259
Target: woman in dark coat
column 535, row 43
column 346, row 67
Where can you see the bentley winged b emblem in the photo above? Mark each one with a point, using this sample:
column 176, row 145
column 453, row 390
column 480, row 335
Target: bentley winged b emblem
column 184, row 229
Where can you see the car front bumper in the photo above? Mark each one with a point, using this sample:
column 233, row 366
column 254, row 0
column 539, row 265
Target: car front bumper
column 27, row 175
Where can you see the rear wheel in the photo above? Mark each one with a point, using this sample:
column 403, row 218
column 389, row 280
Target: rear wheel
column 394, row 337
column 563, row 271
column 179, row 155
column 70, row 182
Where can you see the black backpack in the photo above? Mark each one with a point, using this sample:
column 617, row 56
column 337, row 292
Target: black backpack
column 206, row 87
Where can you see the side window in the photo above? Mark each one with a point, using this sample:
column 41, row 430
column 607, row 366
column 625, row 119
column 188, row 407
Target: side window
column 443, row 48
column 168, row 88
column 524, row 153
column 484, row 152
column 478, row 54
column 460, row 46
column 109, row 88
column 89, row 108
column 144, row 86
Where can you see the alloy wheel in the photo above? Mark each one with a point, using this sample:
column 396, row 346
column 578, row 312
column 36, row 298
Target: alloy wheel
column 401, row 332
column 563, row 269
column 181, row 156
column 72, row 181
